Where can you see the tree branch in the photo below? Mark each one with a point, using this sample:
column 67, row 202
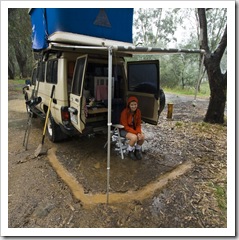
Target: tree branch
column 203, row 40
column 222, row 45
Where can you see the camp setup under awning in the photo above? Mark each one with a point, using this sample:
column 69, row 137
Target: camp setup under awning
column 125, row 50
column 133, row 50
column 108, row 31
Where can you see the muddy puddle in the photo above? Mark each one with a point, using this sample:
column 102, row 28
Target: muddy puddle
column 67, row 187
column 92, row 197
column 81, row 163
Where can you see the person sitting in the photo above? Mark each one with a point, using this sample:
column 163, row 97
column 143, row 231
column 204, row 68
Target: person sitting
column 130, row 118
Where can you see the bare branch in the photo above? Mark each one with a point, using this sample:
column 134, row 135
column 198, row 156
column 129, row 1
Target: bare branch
column 203, row 40
column 222, row 45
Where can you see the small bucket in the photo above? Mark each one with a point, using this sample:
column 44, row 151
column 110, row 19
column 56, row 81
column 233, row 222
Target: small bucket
column 170, row 111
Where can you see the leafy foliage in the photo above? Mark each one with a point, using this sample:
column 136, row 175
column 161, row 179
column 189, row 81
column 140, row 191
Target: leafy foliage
column 154, row 26
column 178, row 28
column 19, row 40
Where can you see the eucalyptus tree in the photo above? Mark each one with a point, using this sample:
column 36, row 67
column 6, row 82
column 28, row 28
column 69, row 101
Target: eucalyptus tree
column 169, row 28
column 214, row 51
column 19, row 42
column 154, row 26
column 216, row 21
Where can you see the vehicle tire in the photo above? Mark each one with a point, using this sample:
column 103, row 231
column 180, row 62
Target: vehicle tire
column 54, row 131
column 162, row 100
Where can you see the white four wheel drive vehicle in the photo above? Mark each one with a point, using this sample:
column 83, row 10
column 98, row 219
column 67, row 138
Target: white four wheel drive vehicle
column 86, row 54
column 80, row 99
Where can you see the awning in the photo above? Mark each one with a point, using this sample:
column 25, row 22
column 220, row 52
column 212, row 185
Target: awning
column 124, row 50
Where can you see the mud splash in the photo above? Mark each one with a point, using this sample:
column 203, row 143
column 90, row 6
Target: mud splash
column 89, row 200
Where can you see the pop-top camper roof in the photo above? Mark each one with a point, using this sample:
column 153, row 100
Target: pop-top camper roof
column 78, row 25
column 89, row 28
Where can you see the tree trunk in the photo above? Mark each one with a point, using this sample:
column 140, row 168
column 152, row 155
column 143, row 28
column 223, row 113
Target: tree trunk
column 21, row 56
column 218, row 97
column 183, row 84
column 11, row 69
column 11, row 73
column 19, row 41
column 217, row 80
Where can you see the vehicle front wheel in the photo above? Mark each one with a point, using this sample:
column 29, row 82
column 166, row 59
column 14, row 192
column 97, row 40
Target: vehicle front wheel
column 54, row 131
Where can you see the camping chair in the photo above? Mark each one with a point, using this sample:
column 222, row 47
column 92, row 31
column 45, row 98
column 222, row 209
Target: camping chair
column 119, row 141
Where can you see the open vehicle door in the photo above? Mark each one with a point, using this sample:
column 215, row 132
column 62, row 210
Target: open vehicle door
column 77, row 100
column 144, row 83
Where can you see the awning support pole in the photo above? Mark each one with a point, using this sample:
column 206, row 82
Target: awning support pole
column 109, row 118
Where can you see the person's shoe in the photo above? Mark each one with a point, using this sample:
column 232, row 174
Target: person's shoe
column 131, row 155
column 138, row 154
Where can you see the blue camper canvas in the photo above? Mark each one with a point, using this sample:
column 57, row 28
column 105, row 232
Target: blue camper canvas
column 39, row 28
column 109, row 23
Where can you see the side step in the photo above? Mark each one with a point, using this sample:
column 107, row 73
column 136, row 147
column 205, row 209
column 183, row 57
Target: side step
column 38, row 113
column 32, row 106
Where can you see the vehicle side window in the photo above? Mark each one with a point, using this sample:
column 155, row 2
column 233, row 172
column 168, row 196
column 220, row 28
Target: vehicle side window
column 78, row 76
column 51, row 72
column 34, row 76
column 70, row 69
column 70, row 72
column 143, row 77
column 41, row 71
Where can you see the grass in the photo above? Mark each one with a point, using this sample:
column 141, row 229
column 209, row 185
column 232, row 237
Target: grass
column 220, row 194
column 17, row 81
column 16, row 84
column 221, row 197
column 204, row 90
column 178, row 124
column 203, row 126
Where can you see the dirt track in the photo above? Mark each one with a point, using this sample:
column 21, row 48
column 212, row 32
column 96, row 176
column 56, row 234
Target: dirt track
column 174, row 186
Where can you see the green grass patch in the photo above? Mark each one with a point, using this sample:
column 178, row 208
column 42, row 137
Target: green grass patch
column 190, row 91
column 208, row 127
column 16, row 84
column 204, row 126
column 178, row 124
column 17, row 81
column 221, row 197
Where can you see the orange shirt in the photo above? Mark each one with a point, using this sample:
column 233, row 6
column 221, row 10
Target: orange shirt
column 131, row 123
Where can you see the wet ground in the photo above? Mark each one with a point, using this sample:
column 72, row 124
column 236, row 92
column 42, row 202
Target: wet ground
column 173, row 186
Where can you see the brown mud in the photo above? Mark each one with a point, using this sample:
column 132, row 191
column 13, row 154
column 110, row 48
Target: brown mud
column 173, row 186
